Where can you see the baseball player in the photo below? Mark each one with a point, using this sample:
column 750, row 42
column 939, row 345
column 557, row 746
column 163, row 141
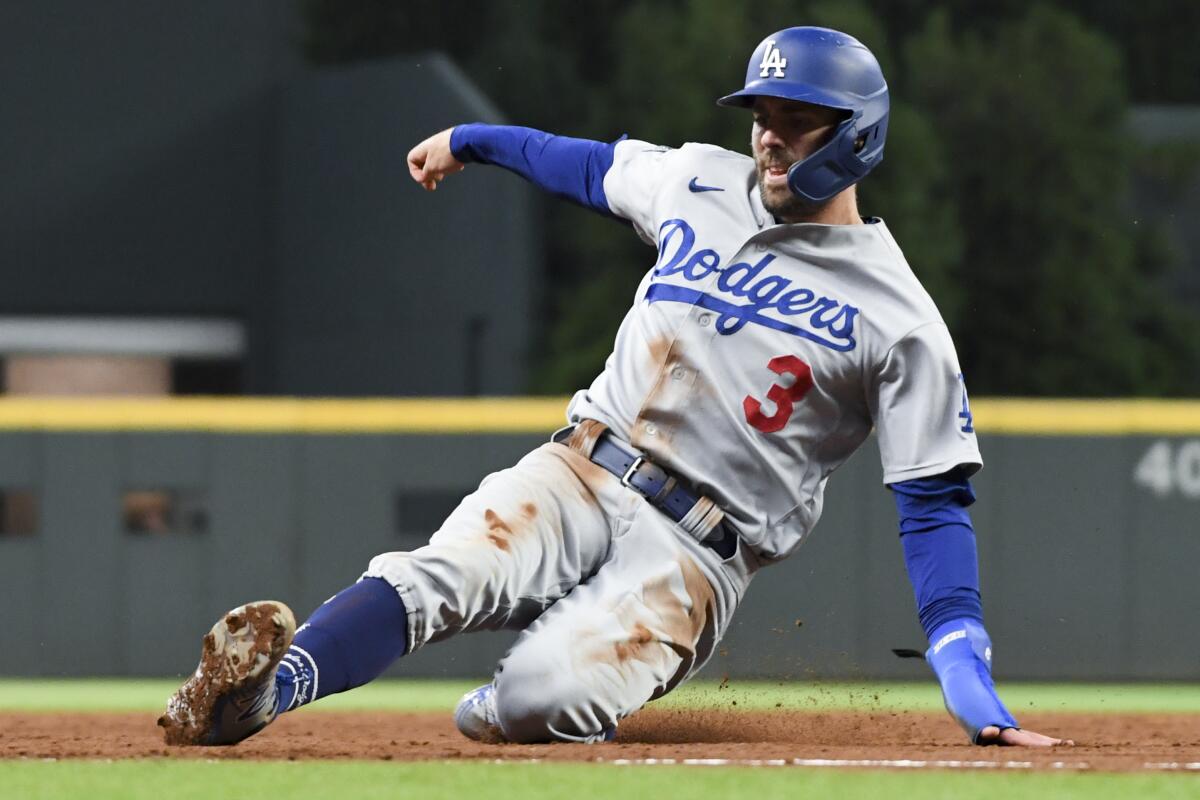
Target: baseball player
column 774, row 330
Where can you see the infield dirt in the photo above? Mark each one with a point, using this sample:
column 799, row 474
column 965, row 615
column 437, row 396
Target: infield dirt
column 1119, row 742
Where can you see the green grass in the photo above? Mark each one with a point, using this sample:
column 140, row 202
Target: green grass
column 154, row 780
column 424, row 695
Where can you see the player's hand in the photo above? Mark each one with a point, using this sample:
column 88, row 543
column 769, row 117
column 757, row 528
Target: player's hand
column 1017, row 737
column 431, row 160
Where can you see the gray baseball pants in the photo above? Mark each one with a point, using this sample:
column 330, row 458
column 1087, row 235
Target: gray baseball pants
column 617, row 604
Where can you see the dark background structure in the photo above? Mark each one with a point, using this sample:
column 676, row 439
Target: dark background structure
column 1008, row 178
column 180, row 161
column 1097, row 588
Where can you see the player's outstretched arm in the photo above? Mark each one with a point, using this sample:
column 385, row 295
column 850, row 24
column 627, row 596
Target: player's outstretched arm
column 940, row 553
column 432, row 160
column 573, row 169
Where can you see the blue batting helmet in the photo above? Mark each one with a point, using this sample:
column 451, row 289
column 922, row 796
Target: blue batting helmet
column 826, row 68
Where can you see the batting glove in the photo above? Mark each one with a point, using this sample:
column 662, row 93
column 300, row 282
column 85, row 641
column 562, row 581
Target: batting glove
column 961, row 657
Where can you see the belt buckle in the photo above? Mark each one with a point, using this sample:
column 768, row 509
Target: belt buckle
column 637, row 463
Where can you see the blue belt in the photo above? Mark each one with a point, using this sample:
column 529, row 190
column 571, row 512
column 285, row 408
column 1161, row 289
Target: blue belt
column 661, row 489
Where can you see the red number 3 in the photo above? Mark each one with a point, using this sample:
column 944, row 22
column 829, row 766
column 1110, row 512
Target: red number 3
column 784, row 399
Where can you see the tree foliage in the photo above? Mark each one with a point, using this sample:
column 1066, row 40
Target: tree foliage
column 1007, row 175
column 1033, row 116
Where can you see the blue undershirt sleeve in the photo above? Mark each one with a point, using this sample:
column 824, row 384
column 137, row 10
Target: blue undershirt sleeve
column 939, row 547
column 939, row 551
column 573, row 169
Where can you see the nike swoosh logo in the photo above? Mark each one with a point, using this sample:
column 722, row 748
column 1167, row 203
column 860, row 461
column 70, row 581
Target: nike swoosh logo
column 696, row 187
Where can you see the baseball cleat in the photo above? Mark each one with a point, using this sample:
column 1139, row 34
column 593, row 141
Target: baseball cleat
column 476, row 718
column 232, row 694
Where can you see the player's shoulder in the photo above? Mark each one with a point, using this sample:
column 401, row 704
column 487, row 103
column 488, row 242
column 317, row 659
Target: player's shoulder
column 697, row 155
column 696, row 167
column 700, row 150
column 903, row 304
column 689, row 155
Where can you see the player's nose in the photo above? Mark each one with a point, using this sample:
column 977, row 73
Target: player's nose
column 769, row 138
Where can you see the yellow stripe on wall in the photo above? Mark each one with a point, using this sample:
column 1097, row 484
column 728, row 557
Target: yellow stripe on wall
column 1018, row 416
column 1012, row 416
column 287, row 415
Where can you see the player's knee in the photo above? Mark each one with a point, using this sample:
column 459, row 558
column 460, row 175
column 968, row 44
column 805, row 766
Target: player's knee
column 536, row 701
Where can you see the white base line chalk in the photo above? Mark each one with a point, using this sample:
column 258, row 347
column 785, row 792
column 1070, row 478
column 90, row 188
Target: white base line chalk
column 864, row 763
column 831, row 762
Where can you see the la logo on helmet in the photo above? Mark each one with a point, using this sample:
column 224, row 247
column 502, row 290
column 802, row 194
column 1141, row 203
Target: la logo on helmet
column 772, row 60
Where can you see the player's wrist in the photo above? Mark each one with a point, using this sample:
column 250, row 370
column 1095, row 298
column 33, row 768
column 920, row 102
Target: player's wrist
column 462, row 142
column 960, row 654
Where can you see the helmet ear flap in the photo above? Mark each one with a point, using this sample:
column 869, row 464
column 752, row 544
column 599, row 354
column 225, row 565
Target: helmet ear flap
column 872, row 137
column 845, row 159
column 830, row 169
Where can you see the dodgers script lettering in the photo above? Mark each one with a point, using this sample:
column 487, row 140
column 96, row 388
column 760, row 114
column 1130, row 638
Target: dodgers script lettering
column 773, row 301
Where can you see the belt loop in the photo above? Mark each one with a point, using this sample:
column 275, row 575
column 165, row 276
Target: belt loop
column 668, row 486
column 583, row 439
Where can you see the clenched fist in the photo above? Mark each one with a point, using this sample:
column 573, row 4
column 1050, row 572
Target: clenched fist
column 431, row 160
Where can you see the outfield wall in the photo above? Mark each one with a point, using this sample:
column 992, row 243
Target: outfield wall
column 1087, row 518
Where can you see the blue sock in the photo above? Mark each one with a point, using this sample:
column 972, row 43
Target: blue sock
column 348, row 641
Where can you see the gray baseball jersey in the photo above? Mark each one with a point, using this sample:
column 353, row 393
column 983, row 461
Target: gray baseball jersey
column 757, row 356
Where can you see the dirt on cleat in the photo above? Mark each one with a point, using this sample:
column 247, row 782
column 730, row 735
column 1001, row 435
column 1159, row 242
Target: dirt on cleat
column 245, row 644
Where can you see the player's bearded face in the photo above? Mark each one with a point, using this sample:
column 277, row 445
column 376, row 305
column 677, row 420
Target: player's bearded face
column 784, row 132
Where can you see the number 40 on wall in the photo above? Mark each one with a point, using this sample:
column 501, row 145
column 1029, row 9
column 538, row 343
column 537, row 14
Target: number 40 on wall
column 1165, row 468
